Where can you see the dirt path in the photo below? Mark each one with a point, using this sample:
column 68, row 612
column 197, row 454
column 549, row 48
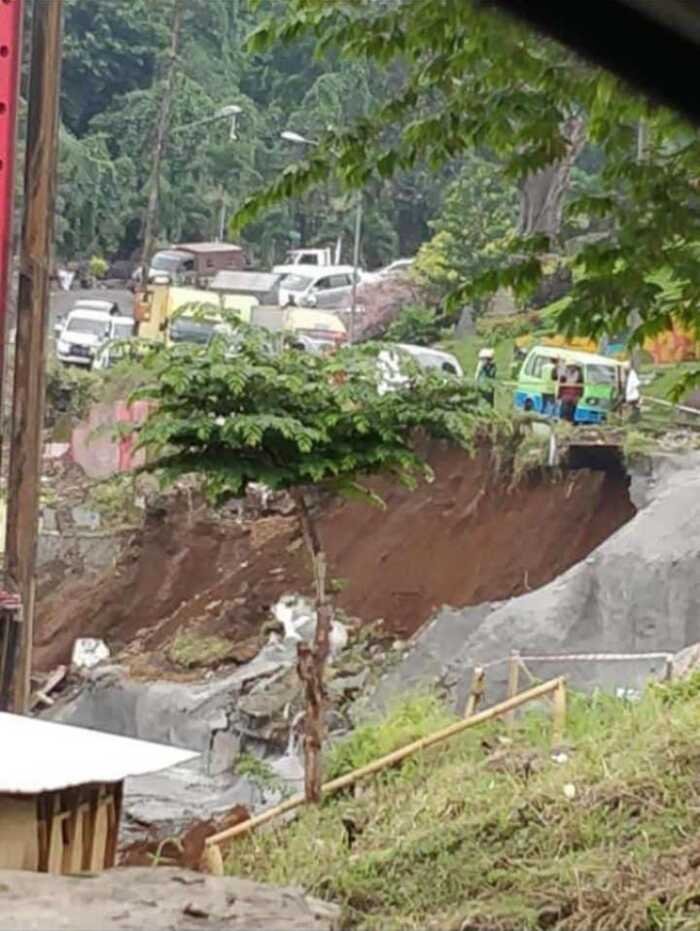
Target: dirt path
column 461, row 540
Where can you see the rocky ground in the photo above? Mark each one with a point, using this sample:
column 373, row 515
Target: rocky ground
column 155, row 899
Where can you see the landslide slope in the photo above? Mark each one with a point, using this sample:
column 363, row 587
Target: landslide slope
column 465, row 538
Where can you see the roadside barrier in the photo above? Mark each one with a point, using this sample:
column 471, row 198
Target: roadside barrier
column 472, row 718
column 555, row 687
column 517, row 664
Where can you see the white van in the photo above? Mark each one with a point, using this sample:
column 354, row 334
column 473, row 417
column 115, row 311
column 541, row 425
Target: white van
column 306, row 286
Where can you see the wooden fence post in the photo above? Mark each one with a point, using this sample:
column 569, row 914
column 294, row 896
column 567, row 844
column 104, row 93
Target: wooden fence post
column 215, row 861
column 513, row 683
column 476, row 691
column 558, row 713
column 668, row 669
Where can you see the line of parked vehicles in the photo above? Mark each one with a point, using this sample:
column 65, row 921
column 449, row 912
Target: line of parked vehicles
column 193, row 288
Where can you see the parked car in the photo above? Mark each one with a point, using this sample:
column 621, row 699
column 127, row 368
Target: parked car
column 113, row 350
column 81, row 335
column 392, row 373
column 111, row 308
column 316, row 324
column 395, row 269
column 193, row 262
column 321, row 287
column 304, row 257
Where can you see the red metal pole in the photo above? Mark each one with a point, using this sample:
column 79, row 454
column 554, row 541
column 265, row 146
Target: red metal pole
column 10, row 63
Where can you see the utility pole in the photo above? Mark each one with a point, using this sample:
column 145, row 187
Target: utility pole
column 26, row 438
column 10, row 64
column 161, row 138
column 355, row 266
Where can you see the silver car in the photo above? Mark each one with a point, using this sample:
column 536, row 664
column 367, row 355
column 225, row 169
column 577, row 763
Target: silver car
column 327, row 286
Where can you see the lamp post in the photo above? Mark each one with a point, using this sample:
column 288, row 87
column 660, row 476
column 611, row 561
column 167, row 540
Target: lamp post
column 289, row 136
column 229, row 112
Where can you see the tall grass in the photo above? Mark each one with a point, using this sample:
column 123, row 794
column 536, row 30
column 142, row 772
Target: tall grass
column 490, row 832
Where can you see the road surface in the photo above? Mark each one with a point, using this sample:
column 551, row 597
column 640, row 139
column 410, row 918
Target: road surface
column 63, row 301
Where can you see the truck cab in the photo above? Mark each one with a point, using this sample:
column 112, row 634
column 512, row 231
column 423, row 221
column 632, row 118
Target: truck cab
column 308, row 258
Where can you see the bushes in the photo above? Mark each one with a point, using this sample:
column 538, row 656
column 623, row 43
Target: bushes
column 69, row 390
column 420, row 326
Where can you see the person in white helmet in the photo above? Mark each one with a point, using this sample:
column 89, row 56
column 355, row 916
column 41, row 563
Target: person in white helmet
column 485, row 375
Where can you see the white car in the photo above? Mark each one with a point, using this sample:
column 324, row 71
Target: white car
column 392, row 376
column 120, row 328
column 399, row 268
column 329, row 286
column 82, row 335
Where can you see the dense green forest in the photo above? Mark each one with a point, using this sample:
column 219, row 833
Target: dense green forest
column 113, row 76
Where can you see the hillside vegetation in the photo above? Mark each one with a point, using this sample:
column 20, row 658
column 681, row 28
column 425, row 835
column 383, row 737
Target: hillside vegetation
column 492, row 832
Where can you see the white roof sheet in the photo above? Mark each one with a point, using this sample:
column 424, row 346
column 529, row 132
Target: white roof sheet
column 564, row 352
column 42, row 756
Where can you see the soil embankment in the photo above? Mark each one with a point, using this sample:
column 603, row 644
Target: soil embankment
column 462, row 540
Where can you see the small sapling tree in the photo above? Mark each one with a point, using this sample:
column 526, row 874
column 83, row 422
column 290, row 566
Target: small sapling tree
column 243, row 410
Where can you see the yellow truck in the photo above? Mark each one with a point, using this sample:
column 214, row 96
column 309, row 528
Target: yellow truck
column 170, row 314
column 155, row 309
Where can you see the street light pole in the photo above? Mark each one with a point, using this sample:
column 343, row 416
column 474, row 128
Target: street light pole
column 161, row 134
column 355, row 266
column 230, row 112
column 290, row 136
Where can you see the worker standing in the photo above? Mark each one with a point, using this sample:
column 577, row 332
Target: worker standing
column 633, row 397
column 549, row 396
column 485, row 376
column 570, row 392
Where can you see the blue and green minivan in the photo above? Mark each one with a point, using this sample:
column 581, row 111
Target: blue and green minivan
column 603, row 383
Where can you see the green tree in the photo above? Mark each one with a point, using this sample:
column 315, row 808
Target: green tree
column 244, row 411
column 115, row 50
column 473, row 79
column 479, row 213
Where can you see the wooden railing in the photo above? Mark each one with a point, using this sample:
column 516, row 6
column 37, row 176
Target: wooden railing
column 555, row 687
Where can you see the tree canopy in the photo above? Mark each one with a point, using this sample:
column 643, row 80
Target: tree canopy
column 473, row 79
column 112, row 84
column 254, row 411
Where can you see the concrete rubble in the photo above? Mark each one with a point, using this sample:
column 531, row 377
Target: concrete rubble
column 639, row 592
column 161, row 898
column 255, row 709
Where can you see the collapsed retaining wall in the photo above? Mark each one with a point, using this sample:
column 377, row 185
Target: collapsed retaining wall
column 637, row 592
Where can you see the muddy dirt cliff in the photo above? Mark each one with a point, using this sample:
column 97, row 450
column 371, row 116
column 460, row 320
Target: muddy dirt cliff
column 464, row 539
column 639, row 592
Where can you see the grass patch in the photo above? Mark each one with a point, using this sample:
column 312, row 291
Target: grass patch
column 488, row 834
column 190, row 648
column 407, row 722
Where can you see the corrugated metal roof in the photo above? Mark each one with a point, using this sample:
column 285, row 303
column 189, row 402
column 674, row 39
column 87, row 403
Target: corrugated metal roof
column 260, row 282
column 42, row 756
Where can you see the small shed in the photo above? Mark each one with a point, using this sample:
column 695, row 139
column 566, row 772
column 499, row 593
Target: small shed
column 212, row 257
column 61, row 792
column 261, row 285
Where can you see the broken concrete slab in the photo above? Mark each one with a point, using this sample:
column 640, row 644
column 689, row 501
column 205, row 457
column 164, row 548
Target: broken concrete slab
column 164, row 898
column 187, row 714
column 202, row 716
column 165, row 803
column 638, row 592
